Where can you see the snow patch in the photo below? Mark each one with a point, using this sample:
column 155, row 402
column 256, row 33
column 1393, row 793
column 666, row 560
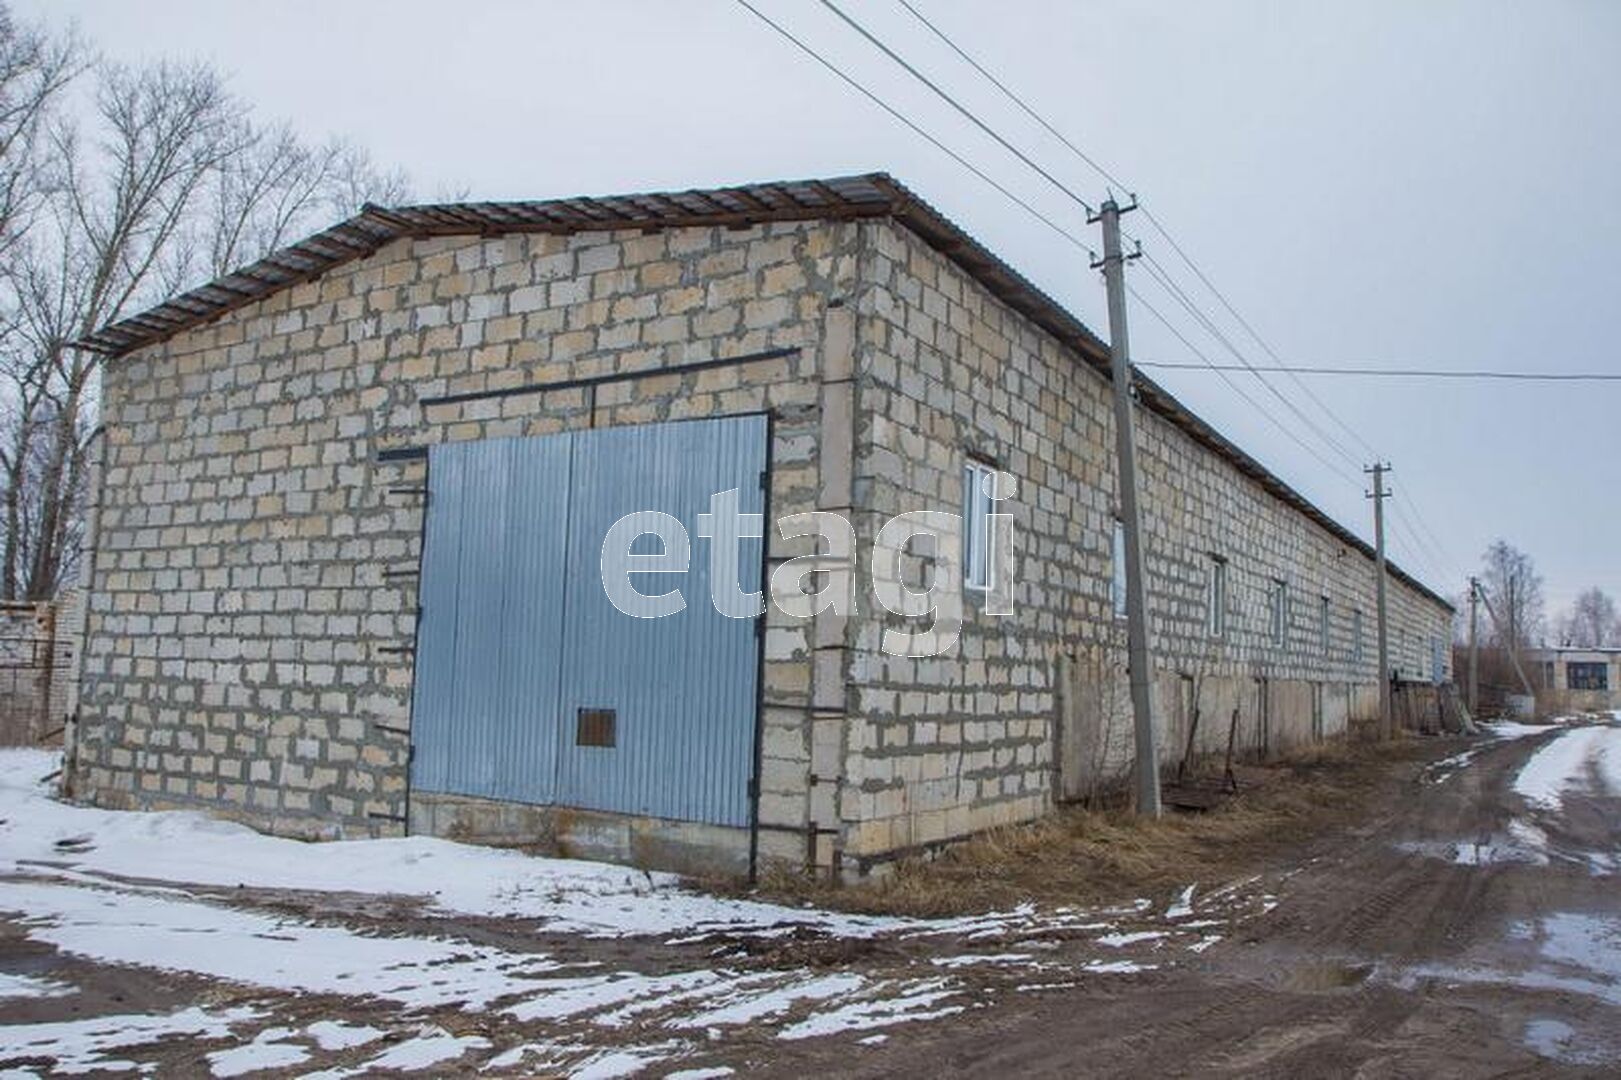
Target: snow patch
column 970, row 959
column 80, row 1046
column 775, row 1002
column 27, row 986
column 571, row 895
column 266, row 1051
column 1504, row 730
column 336, row 1035
column 559, row 998
column 921, row 1002
column 1565, row 762
column 1117, row 941
column 432, row 1045
column 247, row 947
column 1439, row 772
column 1116, row 967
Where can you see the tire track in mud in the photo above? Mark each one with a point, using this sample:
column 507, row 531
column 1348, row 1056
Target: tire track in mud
column 1333, row 982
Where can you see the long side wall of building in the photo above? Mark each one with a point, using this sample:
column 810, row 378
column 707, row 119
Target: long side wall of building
column 1034, row 708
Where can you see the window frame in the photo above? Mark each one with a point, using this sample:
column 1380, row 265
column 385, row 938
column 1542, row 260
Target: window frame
column 1280, row 612
column 1216, row 597
column 978, row 539
column 1595, row 675
column 1117, row 570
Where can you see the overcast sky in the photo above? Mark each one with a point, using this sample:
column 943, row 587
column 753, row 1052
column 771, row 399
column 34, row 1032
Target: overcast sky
column 1396, row 184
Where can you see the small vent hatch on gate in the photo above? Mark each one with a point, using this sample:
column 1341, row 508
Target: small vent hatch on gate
column 595, row 727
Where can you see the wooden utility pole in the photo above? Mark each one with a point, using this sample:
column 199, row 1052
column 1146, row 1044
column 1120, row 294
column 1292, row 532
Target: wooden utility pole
column 1139, row 666
column 1474, row 646
column 1378, row 495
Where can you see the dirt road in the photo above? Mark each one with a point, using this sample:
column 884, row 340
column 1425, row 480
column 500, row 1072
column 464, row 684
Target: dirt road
column 1459, row 931
column 1466, row 923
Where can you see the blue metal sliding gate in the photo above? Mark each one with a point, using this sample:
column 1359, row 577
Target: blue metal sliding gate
column 530, row 685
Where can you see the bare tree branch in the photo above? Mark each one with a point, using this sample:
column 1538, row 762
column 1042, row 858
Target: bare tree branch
column 165, row 182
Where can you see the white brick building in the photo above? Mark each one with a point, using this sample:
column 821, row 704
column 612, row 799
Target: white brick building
column 269, row 636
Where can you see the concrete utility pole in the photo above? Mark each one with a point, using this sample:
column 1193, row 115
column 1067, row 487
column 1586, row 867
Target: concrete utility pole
column 1474, row 646
column 1378, row 495
column 1140, row 669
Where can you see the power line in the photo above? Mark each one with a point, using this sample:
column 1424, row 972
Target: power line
column 1162, row 276
column 1403, row 373
column 892, row 111
column 1424, row 527
column 1097, row 167
column 1240, row 391
column 1163, row 279
column 1426, row 536
column 955, row 104
column 1417, row 553
column 1253, row 333
column 1013, row 97
column 1417, row 544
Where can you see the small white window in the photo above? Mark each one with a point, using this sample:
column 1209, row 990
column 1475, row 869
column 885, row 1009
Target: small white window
column 1280, row 610
column 1117, row 584
column 978, row 484
column 1216, row 597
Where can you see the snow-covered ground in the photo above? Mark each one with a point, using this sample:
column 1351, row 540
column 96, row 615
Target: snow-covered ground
column 570, row 895
column 1583, row 758
column 159, row 892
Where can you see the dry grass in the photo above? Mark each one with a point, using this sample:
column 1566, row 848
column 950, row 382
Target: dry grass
column 1081, row 856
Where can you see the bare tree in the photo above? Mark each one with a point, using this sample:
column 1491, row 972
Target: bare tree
column 1515, row 588
column 166, row 182
column 273, row 189
column 1591, row 622
column 34, row 69
column 114, row 206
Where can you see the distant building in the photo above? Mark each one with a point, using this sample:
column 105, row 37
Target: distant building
column 344, row 552
column 1569, row 678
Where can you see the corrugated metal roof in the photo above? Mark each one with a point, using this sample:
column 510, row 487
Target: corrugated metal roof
column 873, row 195
column 845, row 197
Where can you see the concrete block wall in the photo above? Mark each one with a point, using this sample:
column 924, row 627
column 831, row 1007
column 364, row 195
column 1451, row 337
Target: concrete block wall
column 33, row 667
column 1034, row 706
column 242, row 634
column 241, row 628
